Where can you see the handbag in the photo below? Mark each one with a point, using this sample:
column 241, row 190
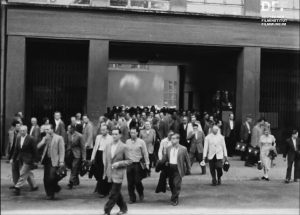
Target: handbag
column 226, row 166
column 61, row 173
column 259, row 165
column 203, row 167
column 144, row 171
column 272, row 154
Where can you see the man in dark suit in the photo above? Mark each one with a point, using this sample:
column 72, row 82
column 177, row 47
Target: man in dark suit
column 116, row 158
column 87, row 134
column 12, row 139
column 52, row 158
column 163, row 127
column 292, row 150
column 229, row 133
column 35, row 131
column 75, row 155
column 178, row 161
column 196, row 138
column 183, row 132
column 59, row 125
column 26, row 153
column 245, row 136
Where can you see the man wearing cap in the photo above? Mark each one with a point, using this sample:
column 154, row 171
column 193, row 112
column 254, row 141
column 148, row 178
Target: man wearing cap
column 245, row 136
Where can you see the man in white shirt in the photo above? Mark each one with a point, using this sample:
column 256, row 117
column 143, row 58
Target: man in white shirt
column 164, row 144
column 101, row 142
column 215, row 151
column 229, row 134
column 190, row 125
column 117, row 157
column 178, row 161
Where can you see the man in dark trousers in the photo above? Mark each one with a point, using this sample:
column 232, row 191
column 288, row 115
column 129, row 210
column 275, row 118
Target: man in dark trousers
column 215, row 150
column 52, row 158
column 26, row 152
column 245, row 136
column 12, row 138
column 138, row 150
column 178, row 161
column 183, row 132
column 292, row 150
column 76, row 155
column 196, row 138
column 229, row 133
column 116, row 158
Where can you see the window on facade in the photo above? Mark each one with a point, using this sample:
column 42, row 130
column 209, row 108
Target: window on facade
column 170, row 93
column 142, row 4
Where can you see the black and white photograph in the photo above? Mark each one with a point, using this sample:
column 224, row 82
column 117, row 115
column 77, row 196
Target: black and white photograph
column 150, row 107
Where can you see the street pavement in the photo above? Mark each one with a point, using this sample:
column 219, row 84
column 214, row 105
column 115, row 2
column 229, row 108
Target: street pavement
column 241, row 192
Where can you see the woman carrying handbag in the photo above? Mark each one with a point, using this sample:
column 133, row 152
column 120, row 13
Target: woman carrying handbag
column 267, row 149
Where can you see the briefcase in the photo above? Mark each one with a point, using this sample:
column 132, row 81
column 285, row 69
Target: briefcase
column 253, row 151
column 226, row 166
column 243, row 147
column 238, row 146
column 61, row 173
column 259, row 165
column 85, row 167
column 144, row 170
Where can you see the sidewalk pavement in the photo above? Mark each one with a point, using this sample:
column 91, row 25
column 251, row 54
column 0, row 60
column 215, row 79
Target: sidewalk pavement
column 241, row 192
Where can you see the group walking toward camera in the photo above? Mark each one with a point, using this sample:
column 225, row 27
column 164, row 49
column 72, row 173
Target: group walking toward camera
column 135, row 141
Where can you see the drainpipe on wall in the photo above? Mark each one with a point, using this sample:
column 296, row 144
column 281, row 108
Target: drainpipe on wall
column 2, row 72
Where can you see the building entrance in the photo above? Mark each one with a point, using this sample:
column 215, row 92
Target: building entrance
column 56, row 78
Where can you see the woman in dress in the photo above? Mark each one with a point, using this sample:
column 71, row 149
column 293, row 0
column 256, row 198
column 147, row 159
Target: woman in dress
column 266, row 144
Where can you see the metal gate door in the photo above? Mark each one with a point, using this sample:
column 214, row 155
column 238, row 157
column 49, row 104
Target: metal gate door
column 56, row 79
column 280, row 90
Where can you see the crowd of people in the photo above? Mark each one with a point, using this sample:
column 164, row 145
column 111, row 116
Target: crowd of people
column 135, row 140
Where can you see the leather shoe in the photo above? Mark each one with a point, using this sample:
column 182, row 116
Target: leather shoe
column 122, row 212
column 263, row 178
column 58, row 188
column 16, row 192
column 50, row 198
column 296, row 180
column 287, row 181
column 141, row 197
column 70, row 186
column 131, row 202
column 175, row 203
column 34, row 189
column 214, row 184
column 267, row 179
